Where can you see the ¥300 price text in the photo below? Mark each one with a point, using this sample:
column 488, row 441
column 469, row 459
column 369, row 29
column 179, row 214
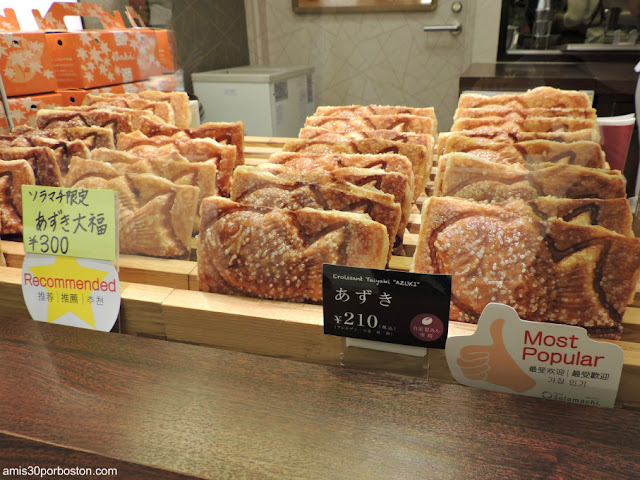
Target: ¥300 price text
column 49, row 244
column 356, row 320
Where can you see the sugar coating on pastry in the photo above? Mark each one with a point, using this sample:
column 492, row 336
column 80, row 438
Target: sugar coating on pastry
column 548, row 270
column 317, row 189
column 278, row 253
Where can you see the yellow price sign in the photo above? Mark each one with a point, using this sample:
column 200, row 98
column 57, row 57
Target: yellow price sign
column 73, row 222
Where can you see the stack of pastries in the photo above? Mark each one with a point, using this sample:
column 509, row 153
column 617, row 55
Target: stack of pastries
column 526, row 212
column 340, row 193
column 138, row 144
column 525, row 209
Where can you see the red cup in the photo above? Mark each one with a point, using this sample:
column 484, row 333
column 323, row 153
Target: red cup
column 615, row 137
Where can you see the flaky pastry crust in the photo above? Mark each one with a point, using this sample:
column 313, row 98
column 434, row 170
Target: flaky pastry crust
column 489, row 125
column 42, row 161
column 155, row 215
column 392, row 183
column 13, row 174
column 418, row 155
column 585, row 153
column 226, row 133
column 400, row 123
column 540, row 97
column 173, row 167
column 467, row 176
column 549, row 271
column 194, row 150
column 612, row 214
column 279, row 253
column 282, row 188
column 515, row 113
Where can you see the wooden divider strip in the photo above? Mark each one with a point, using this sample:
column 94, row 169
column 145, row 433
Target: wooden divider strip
column 273, row 142
column 141, row 310
column 156, row 271
column 163, row 272
column 262, row 327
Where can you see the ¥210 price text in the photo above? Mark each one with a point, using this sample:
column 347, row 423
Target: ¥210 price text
column 369, row 323
column 358, row 319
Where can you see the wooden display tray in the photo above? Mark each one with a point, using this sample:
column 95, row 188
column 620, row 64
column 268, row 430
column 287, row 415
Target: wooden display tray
column 160, row 299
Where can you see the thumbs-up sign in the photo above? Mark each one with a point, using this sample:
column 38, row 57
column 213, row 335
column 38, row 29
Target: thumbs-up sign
column 493, row 363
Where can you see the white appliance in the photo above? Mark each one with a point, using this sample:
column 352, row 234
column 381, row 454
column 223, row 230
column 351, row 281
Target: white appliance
column 271, row 101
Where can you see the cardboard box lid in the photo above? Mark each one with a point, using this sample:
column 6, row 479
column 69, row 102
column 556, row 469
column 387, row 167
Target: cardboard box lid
column 134, row 18
column 9, row 22
column 252, row 74
column 53, row 21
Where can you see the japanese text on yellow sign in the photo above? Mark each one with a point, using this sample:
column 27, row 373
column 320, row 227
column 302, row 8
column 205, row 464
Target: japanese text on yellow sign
column 70, row 222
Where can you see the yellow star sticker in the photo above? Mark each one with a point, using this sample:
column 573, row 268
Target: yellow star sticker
column 65, row 277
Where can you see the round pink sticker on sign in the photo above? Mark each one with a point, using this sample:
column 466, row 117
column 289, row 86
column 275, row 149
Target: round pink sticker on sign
column 426, row 327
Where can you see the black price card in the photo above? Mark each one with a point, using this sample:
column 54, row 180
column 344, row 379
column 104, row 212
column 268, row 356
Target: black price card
column 386, row 305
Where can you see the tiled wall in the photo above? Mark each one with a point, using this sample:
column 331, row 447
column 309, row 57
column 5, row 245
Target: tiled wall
column 211, row 34
column 383, row 58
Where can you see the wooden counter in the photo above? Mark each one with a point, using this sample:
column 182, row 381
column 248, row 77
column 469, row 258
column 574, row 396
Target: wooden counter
column 156, row 409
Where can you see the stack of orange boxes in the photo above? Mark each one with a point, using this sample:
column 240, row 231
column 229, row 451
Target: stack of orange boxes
column 27, row 72
column 69, row 64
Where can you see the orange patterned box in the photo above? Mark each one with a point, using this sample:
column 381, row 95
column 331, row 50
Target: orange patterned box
column 95, row 58
column 24, row 59
column 23, row 110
